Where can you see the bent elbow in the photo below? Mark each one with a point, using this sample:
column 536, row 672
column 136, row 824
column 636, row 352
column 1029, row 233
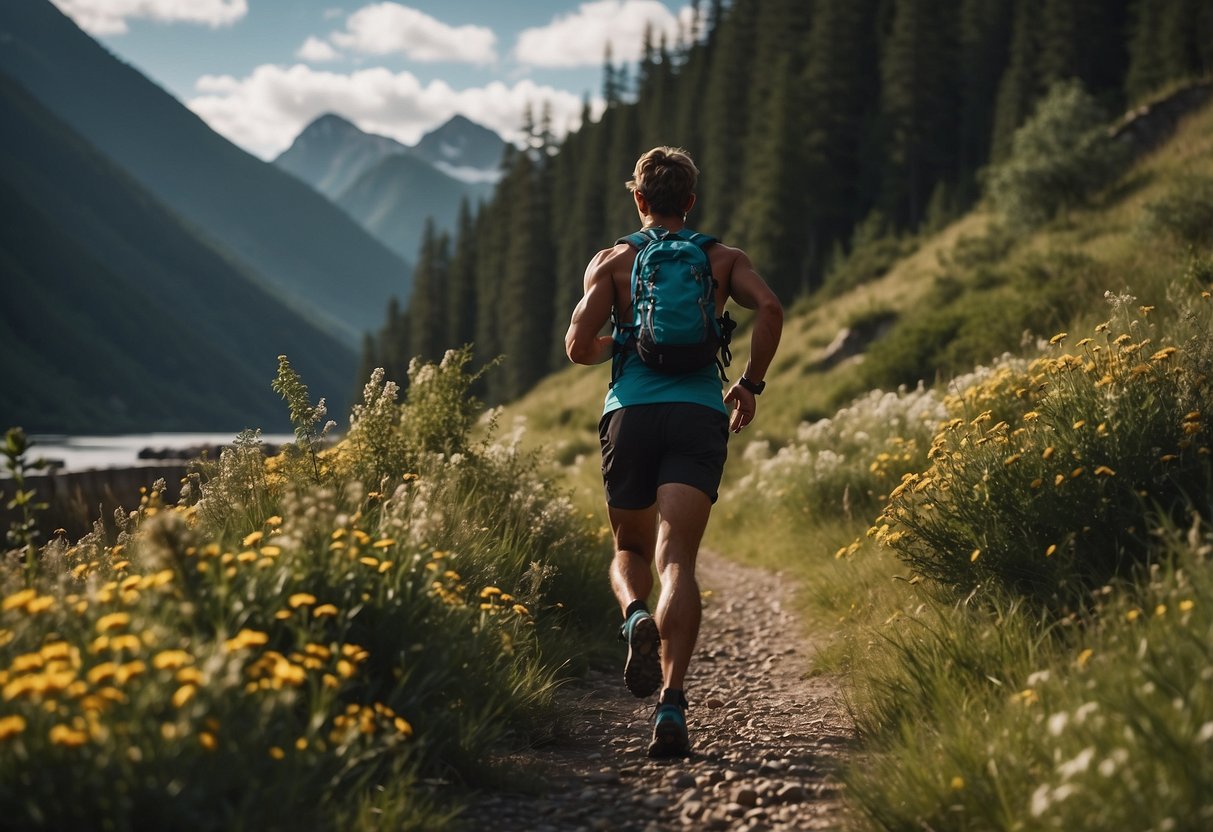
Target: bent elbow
column 771, row 310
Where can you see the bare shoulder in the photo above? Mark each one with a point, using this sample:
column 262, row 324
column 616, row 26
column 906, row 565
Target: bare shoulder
column 609, row 262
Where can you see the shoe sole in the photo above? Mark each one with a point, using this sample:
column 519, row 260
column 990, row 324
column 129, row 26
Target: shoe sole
column 642, row 672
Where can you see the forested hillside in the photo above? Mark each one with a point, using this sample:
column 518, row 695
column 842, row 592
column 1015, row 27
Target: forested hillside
column 820, row 127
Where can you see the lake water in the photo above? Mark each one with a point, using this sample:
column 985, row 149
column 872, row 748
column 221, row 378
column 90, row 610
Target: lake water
column 83, row 453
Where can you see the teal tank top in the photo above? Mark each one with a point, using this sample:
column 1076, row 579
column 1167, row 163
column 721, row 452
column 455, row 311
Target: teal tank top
column 639, row 384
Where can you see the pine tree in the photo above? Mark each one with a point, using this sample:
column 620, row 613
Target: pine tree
column 918, row 106
column 1019, row 88
column 985, row 36
column 427, row 306
column 461, row 282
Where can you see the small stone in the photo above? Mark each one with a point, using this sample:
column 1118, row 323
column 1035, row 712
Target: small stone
column 746, row 796
column 715, row 702
column 735, row 810
column 791, row 793
column 684, row 780
column 604, row 776
column 656, row 801
column 692, row 809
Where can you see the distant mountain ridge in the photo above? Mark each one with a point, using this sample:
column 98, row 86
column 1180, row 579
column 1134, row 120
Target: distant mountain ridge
column 303, row 249
column 117, row 316
column 393, row 189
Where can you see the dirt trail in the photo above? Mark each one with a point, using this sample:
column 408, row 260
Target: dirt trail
column 765, row 739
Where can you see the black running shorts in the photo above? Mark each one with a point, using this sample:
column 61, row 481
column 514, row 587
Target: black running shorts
column 645, row 446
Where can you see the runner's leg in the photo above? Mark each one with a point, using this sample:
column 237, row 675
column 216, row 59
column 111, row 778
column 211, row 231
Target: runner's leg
column 684, row 511
column 635, row 532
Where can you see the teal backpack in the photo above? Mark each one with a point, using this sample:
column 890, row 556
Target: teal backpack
column 674, row 326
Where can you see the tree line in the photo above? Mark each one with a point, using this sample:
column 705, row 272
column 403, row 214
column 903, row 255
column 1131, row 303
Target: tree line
column 810, row 119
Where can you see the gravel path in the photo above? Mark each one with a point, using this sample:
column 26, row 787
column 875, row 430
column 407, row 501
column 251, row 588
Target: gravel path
column 765, row 739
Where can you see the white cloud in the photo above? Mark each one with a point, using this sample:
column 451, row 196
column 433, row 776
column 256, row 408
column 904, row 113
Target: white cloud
column 108, row 17
column 266, row 110
column 317, row 50
column 580, row 39
column 387, row 28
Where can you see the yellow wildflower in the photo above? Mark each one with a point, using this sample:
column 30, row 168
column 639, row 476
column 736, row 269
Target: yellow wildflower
column 1058, row 338
column 184, row 695
column 1104, row 471
column 67, row 736
column 323, row 610
column 276, row 752
column 207, row 740
column 975, row 555
column 1052, row 548
column 301, row 599
column 384, row 543
column 1186, row 605
column 1160, row 610
column 171, row 659
column 1084, row 657
column 252, row 538
column 1133, row 614
column 112, row 621
column 958, row 783
column 10, row 726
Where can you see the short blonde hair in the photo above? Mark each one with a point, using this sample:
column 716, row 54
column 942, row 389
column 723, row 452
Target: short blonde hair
column 666, row 176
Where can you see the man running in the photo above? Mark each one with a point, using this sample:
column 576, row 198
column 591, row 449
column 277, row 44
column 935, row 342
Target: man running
column 664, row 441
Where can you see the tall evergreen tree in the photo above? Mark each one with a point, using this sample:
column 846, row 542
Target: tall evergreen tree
column 985, row 28
column 427, row 337
column 1019, row 88
column 461, row 281
column 918, row 105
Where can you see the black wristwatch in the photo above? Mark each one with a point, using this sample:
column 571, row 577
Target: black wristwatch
column 755, row 387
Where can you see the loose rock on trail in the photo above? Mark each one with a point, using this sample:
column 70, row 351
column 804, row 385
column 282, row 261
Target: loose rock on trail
column 766, row 740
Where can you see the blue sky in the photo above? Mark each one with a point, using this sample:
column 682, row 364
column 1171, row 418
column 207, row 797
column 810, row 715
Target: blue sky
column 259, row 70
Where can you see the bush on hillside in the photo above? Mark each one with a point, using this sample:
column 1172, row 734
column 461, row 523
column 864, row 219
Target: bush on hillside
column 1185, row 214
column 1058, row 158
column 1049, row 490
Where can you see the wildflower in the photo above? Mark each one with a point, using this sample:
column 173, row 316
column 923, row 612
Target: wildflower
column 1059, row 479
column 252, row 538
column 1084, row 657
column 1160, row 610
column 10, row 726
column 520, row 609
column 1047, row 453
column 1145, row 310
column 1104, row 382
column 301, row 599
column 1052, row 548
column 1031, row 416
column 1132, row 615
column 383, row 543
column 112, row 621
column 1079, row 424
column 323, row 610
column 183, row 695
column 246, row 638
column 1058, row 338
column 271, row 551
column 1077, row 472
column 1186, row 605
column 1163, row 354
column 67, row 736
column 207, row 740
column 1104, row 471
column 958, row 783
column 276, row 752
column 975, row 555
column 368, row 561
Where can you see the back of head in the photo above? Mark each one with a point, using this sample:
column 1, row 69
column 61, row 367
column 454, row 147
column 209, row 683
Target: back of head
column 666, row 177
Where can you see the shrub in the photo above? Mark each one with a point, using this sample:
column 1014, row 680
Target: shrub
column 1053, row 495
column 1058, row 158
column 1185, row 214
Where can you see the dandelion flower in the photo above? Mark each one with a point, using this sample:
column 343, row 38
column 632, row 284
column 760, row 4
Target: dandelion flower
column 10, row 726
column 113, row 621
column 183, row 695
column 67, row 736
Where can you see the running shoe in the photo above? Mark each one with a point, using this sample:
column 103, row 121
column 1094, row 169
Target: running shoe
column 642, row 672
column 670, row 728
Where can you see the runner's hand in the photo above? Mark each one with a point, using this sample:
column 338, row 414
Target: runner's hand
column 744, row 407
